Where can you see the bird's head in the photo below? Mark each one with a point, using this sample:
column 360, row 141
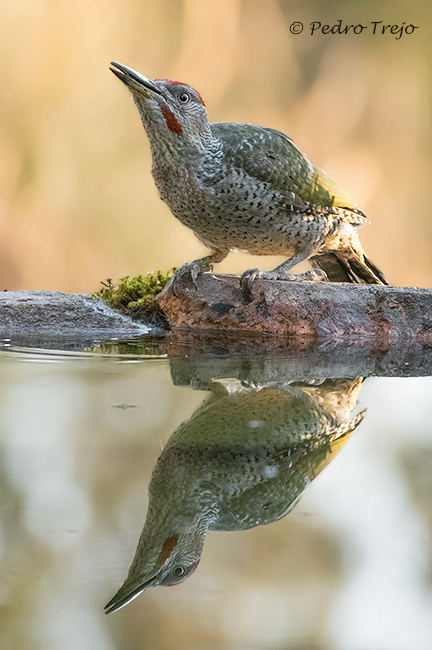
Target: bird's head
column 171, row 111
column 159, row 563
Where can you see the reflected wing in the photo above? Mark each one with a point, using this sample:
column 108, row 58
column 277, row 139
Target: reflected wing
column 287, row 476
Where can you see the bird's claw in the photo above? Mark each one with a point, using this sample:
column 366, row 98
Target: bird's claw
column 251, row 385
column 194, row 276
column 247, row 280
column 189, row 268
column 249, row 277
column 318, row 275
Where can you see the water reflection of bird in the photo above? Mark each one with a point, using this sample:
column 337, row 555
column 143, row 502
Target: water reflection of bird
column 243, row 459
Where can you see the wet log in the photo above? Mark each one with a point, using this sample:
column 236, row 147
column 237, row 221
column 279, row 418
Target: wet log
column 301, row 312
column 313, row 311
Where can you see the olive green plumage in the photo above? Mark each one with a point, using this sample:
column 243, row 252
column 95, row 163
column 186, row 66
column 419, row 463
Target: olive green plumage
column 242, row 460
column 247, row 187
column 271, row 156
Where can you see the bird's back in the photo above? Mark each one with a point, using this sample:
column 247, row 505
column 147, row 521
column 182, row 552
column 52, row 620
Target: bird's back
column 271, row 156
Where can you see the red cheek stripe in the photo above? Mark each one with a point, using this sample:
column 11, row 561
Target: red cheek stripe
column 167, row 549
column 171, row 120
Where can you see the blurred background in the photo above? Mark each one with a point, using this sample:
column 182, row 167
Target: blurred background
column 77, row 201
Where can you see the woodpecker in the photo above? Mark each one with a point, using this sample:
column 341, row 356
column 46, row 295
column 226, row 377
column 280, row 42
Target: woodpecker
column 242, row 460
column 248, row 187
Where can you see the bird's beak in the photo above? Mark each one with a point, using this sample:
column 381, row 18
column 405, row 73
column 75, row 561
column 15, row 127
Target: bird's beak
column 130, row 589
column 134, row 80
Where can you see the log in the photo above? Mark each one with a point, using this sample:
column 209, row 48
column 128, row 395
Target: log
column 195, row 360
column 278, row 312
column 307, row 310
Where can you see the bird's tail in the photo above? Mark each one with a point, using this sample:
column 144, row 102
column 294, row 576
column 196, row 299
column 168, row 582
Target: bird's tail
column 348, row 265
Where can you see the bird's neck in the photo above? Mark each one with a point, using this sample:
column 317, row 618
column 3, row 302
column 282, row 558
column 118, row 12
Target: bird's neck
column 171, row 151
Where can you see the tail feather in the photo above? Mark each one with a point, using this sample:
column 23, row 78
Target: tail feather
column 347, row 427
column 375, row 270
column 348, row 265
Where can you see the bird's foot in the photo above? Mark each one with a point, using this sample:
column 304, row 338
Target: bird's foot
column 249, row 277
column 251, row 385
column 193, row 269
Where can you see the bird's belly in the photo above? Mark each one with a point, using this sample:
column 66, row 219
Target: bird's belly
column 231, row 212
column 261, row 234
column 267, row 229
column 236, row 231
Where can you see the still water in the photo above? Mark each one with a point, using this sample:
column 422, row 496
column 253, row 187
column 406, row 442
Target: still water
column 299, row 490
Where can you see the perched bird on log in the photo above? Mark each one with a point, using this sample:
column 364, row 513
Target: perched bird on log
column 246, row 187
column 242, row 460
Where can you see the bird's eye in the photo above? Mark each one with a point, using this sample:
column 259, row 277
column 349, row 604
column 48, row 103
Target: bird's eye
column 179, row 571
column 184, row 98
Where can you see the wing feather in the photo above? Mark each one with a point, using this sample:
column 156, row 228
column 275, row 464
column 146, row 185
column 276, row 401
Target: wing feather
column 271, row 156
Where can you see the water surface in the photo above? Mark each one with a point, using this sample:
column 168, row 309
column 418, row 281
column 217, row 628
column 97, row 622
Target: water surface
column 81, row 432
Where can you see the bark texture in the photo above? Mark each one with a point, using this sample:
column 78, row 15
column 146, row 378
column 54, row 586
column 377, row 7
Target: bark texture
column 334, row 311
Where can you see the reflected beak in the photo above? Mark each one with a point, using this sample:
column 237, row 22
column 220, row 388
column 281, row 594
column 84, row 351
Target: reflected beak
column 129, row 590
column 134, row 80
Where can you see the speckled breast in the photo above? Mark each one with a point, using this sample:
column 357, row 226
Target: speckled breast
column 240, row 212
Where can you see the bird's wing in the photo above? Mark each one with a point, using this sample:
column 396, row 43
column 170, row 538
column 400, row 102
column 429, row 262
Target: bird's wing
column 275, row 493
column 270, row 156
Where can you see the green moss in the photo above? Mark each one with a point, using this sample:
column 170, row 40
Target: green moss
column 136, row 296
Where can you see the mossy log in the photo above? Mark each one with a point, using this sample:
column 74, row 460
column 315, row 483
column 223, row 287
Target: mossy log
column 282, row 311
